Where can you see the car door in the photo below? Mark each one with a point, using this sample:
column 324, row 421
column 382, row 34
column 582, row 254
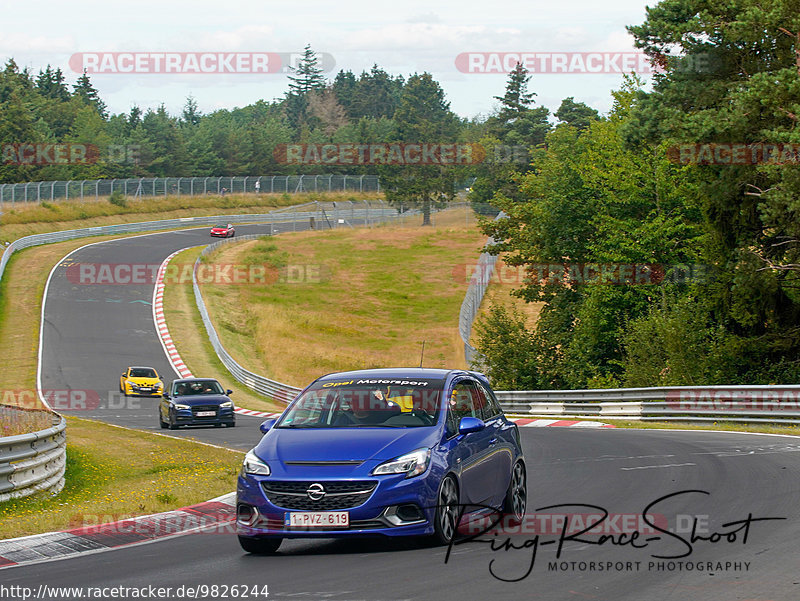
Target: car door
column 501, row 441
column 473, row 450
column 164, row 403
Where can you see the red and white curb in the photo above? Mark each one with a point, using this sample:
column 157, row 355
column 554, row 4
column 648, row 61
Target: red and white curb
column 161, row 322
column 169, row 345
column 524, row 422
column 215, row 516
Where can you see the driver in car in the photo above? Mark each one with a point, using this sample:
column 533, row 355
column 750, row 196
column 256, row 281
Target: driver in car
column 376, row 410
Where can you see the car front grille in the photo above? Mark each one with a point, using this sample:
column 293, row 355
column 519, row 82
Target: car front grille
column 338, row 495
column 196, row 408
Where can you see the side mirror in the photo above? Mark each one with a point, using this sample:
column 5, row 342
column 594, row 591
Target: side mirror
column 165, row 395
column 124, row 373
column 470, row 424
column 266, row 425
column 228, row 392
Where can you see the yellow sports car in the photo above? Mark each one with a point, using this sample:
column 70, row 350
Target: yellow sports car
column 141, row 381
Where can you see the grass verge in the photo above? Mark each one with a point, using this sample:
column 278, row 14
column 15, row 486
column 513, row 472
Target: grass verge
column 347, row 298
column 189, row 334
column 114, row 473
column 720, row 425
column 711, row 426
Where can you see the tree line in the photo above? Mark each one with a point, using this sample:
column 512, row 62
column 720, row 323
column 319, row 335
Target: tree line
column 699, row 175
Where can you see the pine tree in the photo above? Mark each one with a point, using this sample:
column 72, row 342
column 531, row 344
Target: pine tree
column 517, row 99
column 88, row 94
column 308, row 74
column 191, row 116
column 50, row 84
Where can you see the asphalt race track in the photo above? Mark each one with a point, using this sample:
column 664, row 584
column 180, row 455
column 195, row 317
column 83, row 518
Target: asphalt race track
column 92, row 332
column 620, row 470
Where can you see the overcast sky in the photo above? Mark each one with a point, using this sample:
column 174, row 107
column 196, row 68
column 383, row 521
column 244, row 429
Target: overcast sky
column 401, row 37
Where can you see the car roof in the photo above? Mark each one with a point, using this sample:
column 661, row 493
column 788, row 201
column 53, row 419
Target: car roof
column 142, row 367
column 189, row 380
column 397, row 372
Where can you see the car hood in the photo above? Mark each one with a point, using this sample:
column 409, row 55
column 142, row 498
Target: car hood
column 343, row 444
column 201, row 399
column 144, row 381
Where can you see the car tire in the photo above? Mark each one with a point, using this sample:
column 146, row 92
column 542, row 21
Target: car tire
column 172, row 424
column 445, row 521
column 161, row 422
column 230, row 424
column 260, row 546
column 516, row 495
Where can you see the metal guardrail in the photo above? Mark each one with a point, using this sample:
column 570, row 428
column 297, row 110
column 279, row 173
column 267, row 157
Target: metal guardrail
column 181, row 186
column 283, row 393
column 478, row 283
column 33, row 462
column 753, row 404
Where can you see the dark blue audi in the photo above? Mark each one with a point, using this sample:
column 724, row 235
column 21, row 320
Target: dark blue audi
column 395, row 452
column 196, row 402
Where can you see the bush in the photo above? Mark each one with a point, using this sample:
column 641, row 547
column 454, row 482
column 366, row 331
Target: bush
column 509, row 350
column 117, row 199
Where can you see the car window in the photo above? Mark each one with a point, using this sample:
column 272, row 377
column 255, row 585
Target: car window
column 143, row 373
column 460, row 404
column 490, row 408
column 372, row 402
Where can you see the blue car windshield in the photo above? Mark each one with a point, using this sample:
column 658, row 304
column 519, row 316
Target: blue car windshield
column 197, row 387
column 376, row 402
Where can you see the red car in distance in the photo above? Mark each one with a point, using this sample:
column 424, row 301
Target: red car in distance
column 223, row 231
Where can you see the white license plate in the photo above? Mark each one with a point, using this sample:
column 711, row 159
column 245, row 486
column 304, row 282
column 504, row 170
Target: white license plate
column 317, row 519
column 205, row 413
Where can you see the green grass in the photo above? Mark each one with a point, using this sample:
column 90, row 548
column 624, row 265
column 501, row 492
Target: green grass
column 113, row 473
column 720, row 425
column 380, row 293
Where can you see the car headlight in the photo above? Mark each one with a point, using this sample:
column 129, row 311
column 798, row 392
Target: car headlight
column 410, row 464
column 226, row 404
column 253, row 465
column 181, row 406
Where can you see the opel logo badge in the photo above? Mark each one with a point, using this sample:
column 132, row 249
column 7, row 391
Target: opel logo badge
column 316, row 491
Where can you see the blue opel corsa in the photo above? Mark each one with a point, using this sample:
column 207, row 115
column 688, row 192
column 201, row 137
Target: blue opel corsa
column 395, row 452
